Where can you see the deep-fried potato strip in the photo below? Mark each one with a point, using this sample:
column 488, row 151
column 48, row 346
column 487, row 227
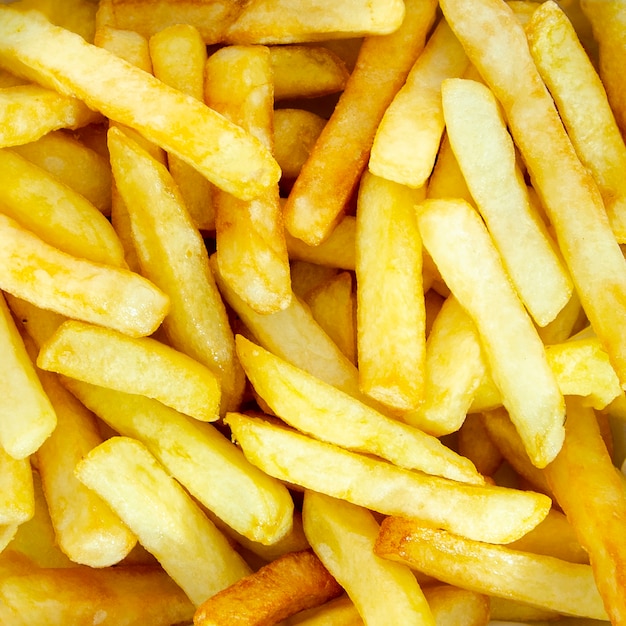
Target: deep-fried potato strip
column 343, row 536
column 223, row 152
column 289, row 584
column 504, row 514
column 17, row 498
column 542, row 581
column 318, row 198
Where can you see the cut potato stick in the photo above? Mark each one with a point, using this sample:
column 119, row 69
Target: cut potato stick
column 287, row 585
column 165, row 519
column 250, row 240
column 28, row 112
column 447, row 180
column 497, row 186
column 197, row 323
column 586, row 240
column 105, row 295
column 385, row 488
column 318, row 409
column 318, row 198
column 587, row 487
column 460, row 245
column 475, row 444
column 223, row 152
column 390, row 293
column 17, row 497
column 201, row 458
column 343, row 536
column 541, row 581
column 572, row 79
column 125, row 44
column 408, row 137
column 142, row 365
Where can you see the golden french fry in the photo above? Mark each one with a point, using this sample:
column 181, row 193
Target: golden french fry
column 125, row 44
column 17, row 497
column 251, row 248
column 541, row 581
column 142, row 365
column 343, row 536
column 106, row 295
column 306, row 277
column 475, row 444
column 223, row 152
column 408, row 137
column 328, row 414
column 447, row 180
column 39, row 324
column 573, row 81
column 386, row 488
column 453, row 606
column 570, row 196
column 289, row 584
column 165, row 519
column 197, row 323
column 390, row 293
column 210, row 467
column 318, row 198
column 460, row 245
column 473, row 118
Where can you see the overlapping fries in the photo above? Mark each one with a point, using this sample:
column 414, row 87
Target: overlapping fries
column 378, row 246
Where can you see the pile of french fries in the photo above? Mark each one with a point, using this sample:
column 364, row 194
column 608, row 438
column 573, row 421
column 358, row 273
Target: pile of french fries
column 312, row 313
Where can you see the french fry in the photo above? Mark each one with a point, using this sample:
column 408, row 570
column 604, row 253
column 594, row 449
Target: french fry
column 287, row 585
column 125, row 44
column 28, row 112
column 343, row 536
column 26, row 415
column 318, row 198
column 541, row 581
column 572, row 79
column 385, row 488
column 447, row 180
column 251, row 247
column 197, row 323
column 306, row 277
column 165, row 519
column 495, row 181
column 209, row 466
column 390, row 293
column 75, row 287
column 453, row 606
column 17, row 497
column 475, row 444
column 408, row 137
column 585, row 239
column 321, row 411
column 453, row 233
column 60, row 216
column 143, row 365
column 223, row 152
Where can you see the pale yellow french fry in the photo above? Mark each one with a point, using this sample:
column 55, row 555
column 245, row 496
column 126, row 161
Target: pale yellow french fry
column 75, row 287
column 453, row 606
column 26, row 415
column 165, row 519
column 447, row 180
column 473, row 118
column 280, row 21
column 178, row 55
column 565, row 324
column 541, row 581
column 343, row 536
column 173, row 255
column 140, row 365
column 408, row 137
column 223, row 152
column 474, row 442
column 318, row 198
column 391, row 317
column 39, row 324
column 503, row 514
column 28, row 112
column 328, row 414
column 55, row 212
column 17, row 497
column 251, row 247
column 583, row 106
column 126, row 44
column 201, row 458
column 460, row 245
column 568, row 192
column 74, row 164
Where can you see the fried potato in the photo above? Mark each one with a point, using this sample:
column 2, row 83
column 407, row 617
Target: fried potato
column 474, row 443
column 17, row 497
column 504, row 514
column 287, row 585
column 460, row 245
column 318, row 198
column 125, row 44
column 223, row 152
column 165, row 519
